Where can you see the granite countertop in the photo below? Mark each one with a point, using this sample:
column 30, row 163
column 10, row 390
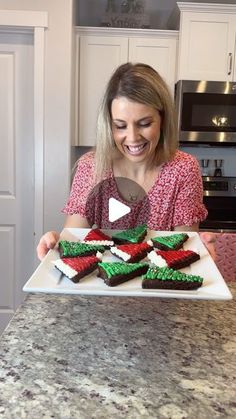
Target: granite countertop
column 116, row 357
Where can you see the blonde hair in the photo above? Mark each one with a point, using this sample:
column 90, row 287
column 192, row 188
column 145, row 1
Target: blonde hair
column 139, row 83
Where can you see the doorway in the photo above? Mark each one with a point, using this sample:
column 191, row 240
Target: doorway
column 16, row 168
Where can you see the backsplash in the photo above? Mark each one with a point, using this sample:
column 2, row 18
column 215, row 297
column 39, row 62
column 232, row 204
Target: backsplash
column 228, row 154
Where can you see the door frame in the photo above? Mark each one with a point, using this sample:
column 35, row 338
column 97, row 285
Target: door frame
column 22, row 21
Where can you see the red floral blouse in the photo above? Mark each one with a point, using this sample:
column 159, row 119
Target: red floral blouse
column 175, row 199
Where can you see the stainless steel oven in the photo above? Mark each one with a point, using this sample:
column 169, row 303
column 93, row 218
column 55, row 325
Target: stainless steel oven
column 206, row 112
column 220, row 201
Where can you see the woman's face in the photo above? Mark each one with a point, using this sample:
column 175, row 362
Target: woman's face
column 136, row 129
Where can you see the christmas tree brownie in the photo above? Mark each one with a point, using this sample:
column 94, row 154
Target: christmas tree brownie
column 175, row 259
column 132, row 252
column 132, row 235
column 172, row 242
column 73, row 249
column 115, row 273
column 96, row 236
column 76, row 268
column 168, row 278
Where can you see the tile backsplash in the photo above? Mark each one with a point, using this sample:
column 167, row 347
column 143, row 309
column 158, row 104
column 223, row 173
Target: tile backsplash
column 228, row 154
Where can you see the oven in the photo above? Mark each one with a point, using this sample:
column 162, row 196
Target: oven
column 220, row 201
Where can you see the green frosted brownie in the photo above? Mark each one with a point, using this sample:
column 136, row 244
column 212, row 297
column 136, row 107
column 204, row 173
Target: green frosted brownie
column 115, row 273
column 168, row 278
column 132, row 235
column 73, row 249
column 172, row 242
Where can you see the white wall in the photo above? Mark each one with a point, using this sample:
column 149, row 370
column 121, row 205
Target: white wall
column 57, row 103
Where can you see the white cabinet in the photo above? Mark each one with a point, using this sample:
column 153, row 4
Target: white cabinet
column 98, row 57
column 159, row 52
column 99, row 51
column 207, row 42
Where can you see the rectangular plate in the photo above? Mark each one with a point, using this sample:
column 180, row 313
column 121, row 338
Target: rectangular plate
column 47, row 278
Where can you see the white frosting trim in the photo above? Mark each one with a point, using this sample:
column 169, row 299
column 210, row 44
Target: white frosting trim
column 100, row 242
column 157, row 259
column 65, row 269
column 123, row 255
column 99, row 255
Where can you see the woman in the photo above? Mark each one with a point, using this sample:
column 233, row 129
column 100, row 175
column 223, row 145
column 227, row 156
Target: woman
column 136, row 161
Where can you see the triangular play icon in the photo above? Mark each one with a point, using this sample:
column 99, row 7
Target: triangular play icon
column 117, row 209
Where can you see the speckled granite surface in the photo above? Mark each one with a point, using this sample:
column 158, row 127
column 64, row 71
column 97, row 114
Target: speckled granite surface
column 101, row 357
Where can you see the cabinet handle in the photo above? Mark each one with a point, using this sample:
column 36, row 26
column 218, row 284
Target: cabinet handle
column 230, row 59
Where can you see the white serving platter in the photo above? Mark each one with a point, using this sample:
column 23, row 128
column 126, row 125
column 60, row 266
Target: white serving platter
column 47, row 279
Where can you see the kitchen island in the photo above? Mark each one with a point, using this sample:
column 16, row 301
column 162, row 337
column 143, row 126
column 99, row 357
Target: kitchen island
column 115, row 357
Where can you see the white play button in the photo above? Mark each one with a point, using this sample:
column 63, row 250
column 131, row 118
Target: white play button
column 117, row 209
column 103, row 206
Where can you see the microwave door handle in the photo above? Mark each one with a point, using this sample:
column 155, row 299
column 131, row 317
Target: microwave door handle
column 230, row 60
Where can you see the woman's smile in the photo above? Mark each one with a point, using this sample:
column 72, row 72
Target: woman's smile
column 136, row 150
column 135, row 128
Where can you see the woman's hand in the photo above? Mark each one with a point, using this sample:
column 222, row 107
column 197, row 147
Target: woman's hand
column 47, row 242
column 209, row 240
column 49, row 239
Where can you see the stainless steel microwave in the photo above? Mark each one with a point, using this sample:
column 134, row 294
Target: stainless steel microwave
column 206, row 112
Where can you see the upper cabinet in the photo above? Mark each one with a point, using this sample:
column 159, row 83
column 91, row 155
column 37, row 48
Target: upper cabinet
column 207, row 42
column 97, row 57
column 99, row 51
column 158, row 51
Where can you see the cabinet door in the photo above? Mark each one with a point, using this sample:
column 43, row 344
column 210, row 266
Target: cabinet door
column 98, row 58
column 157, row 52
column 206, row 46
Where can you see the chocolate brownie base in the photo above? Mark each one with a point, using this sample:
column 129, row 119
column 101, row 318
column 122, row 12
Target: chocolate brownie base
column 171, row 285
